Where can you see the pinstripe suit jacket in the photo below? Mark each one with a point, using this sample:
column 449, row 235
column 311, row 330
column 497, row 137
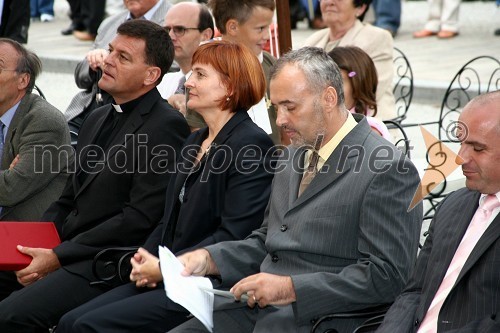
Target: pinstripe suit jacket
column 473, row 304
column 348, row 241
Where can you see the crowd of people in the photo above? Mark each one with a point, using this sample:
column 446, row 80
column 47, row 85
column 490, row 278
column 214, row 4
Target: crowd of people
column 275, row 178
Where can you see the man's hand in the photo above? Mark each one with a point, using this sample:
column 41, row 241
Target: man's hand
column 145, row 269
column 198, row 262
column 96, row 57
column 44, row 262
column 266, row 289
column 178, row 101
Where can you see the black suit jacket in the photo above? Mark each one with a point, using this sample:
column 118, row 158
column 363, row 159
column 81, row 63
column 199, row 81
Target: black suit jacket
column 473, row 304
column 121, row 201
column 228, row 199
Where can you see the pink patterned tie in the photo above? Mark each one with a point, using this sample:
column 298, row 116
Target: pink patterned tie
column 475, row 230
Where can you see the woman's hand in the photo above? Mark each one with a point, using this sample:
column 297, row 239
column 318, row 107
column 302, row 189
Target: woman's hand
column 145, row 269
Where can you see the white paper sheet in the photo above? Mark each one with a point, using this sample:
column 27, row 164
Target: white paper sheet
column 187, row 291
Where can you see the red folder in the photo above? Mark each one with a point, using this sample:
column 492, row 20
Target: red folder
column 31, row 234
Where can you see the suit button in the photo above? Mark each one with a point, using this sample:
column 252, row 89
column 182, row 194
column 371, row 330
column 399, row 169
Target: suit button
column 417, row 322
column 284, row 228
column 75, row 212
column 275, row 258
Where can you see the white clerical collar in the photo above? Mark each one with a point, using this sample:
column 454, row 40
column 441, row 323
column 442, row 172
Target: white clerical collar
column 117, row 108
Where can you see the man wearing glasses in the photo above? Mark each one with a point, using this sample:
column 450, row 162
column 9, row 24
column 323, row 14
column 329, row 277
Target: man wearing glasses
column 188, row 24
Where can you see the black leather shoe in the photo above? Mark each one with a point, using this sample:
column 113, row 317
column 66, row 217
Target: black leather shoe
column 69, row 30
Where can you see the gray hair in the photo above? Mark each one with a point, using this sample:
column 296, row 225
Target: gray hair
column 319, row 69
column 27, row 62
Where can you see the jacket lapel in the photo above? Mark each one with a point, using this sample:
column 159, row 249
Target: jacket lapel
column 491, row 234
column 296, row 173
column 450, row 238
column 125, row 133
column 134, row 122
column 351, row 34
column 337, row 164
column 227, row 129
column 92, row 138
column 22, row 110
column 189, row 160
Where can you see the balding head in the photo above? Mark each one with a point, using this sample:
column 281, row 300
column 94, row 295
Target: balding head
column 479, row 133
column 487, row 107
column 190, row 24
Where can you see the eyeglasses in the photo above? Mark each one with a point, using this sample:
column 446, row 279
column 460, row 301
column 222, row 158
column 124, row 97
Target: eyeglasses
column 179, row 30
column 5, row 69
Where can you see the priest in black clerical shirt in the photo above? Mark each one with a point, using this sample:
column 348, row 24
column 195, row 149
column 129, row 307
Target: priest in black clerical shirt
column 116, row 197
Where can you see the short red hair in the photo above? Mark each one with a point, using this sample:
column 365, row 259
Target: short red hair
column 240, row 70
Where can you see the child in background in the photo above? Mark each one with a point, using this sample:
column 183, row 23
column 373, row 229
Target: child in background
column 360, row 84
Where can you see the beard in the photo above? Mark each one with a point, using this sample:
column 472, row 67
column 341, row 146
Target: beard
column 318, row 123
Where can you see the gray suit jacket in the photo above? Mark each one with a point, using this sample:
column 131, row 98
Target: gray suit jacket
column 348, row 241
column 473, row 304
column 36, row 132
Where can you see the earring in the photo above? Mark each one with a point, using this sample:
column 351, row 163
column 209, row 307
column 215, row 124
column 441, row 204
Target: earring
column 227, row 99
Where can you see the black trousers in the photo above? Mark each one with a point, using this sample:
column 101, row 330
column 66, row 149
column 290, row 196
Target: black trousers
column 125, row 309
column 8, row 284
column 39, row 306
column 75, row 8
column 15, row 20
column 87, row 15
column 92, row 13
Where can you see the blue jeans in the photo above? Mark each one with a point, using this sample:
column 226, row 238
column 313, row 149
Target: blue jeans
column 39, row 7
column 305, row 5
column 388, row 14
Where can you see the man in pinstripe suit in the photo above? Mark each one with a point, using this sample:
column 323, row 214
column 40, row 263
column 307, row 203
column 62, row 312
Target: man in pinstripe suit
column 345, row 243
column 473, row 302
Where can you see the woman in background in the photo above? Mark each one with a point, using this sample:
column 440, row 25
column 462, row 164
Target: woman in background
column 344, row 20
